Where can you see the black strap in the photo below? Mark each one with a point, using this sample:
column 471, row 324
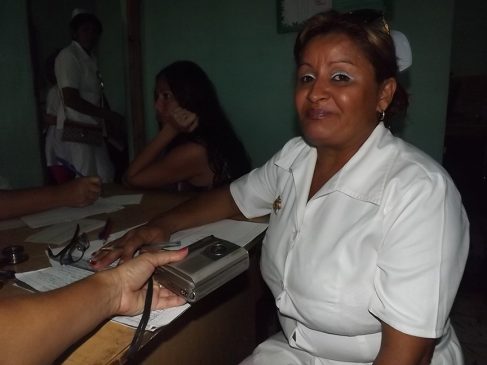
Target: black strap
column 139, row 332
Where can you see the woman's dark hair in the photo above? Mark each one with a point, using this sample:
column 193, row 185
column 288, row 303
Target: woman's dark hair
column 195, row 92
column 368, row 29
column 83, row 18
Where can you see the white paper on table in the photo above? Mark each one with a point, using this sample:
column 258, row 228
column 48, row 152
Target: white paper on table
column 127, row 199
column 67, row 214
column 60, row 233
column 51, row 278
column 11, row 224
column 158, row 318
column 56, row 277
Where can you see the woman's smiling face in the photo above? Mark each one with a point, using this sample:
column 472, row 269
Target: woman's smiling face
column 337, row 96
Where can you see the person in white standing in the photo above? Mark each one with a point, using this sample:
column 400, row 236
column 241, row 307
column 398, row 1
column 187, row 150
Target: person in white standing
column 80, row 90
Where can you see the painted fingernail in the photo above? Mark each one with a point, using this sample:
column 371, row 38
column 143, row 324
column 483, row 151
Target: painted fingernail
column 93, row 261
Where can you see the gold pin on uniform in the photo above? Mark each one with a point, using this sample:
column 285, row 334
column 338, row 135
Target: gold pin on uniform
column 277, row 205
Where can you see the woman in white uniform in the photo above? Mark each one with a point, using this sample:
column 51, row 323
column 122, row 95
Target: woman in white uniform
column 367, row 238
column 81, row 96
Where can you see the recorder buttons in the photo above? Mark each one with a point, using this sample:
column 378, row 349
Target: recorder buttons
column 218, row 249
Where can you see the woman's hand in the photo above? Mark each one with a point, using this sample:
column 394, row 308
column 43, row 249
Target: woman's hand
column 81, row 192
column 183, row 120
column 129, row 281
column 125, row 247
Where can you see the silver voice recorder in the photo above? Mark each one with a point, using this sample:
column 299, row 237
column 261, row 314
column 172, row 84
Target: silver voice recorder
column 210, row 263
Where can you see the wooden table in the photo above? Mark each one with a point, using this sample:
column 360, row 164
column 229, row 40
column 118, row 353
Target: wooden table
column 222, row 328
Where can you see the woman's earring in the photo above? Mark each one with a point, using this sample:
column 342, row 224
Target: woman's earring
column 382, row 116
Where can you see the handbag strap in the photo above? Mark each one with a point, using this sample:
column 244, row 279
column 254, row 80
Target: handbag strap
column 61, row 113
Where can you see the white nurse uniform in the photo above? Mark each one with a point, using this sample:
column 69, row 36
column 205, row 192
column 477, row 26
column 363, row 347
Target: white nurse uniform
column 385, row 238
column 76, row 69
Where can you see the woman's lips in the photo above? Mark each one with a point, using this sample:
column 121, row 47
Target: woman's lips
column 317, row 113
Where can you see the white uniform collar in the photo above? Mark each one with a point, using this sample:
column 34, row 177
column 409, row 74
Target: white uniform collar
column 363, row 177
column 82, row 52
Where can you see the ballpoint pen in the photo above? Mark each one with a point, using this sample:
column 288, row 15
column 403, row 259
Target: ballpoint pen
column 146, row 246
column 69, row 166
column 160, row 245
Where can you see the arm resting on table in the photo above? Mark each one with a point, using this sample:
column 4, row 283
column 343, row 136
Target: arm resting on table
column 75, row 193
column 205, row 208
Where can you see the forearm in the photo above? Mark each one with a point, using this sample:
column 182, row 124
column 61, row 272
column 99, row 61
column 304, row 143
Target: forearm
column 150, row 153
column 205, row 208
column 73, row 100
column 15, row 203
column 402, row 349
column 37, row 328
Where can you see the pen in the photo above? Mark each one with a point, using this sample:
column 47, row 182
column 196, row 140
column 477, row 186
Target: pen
column 69, row 166
column 160, row 245
column 106, row 231
column 146, row 246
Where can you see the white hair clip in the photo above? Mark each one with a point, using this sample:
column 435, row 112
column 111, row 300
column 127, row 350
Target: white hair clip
column 403, row 50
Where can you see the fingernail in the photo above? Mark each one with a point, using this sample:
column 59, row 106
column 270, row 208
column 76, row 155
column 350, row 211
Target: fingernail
column 92, row 261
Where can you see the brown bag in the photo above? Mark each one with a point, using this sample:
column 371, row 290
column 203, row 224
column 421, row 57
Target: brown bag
column 85, row 135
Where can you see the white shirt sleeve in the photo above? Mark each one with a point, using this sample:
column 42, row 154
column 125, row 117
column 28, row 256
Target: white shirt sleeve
column 68, row 70
column 255, row 192
column 421, row 261
column 52, row 101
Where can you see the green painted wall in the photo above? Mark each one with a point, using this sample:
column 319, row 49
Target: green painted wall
column 428, row 25
column 251, row 64
column 19, row 142
column 237, row 43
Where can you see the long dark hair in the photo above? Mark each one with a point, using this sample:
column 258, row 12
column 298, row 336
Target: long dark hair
column 195, row 92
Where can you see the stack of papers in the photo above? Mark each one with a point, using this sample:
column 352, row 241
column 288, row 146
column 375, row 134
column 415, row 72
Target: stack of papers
column 68, row 214
column 62, row 221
